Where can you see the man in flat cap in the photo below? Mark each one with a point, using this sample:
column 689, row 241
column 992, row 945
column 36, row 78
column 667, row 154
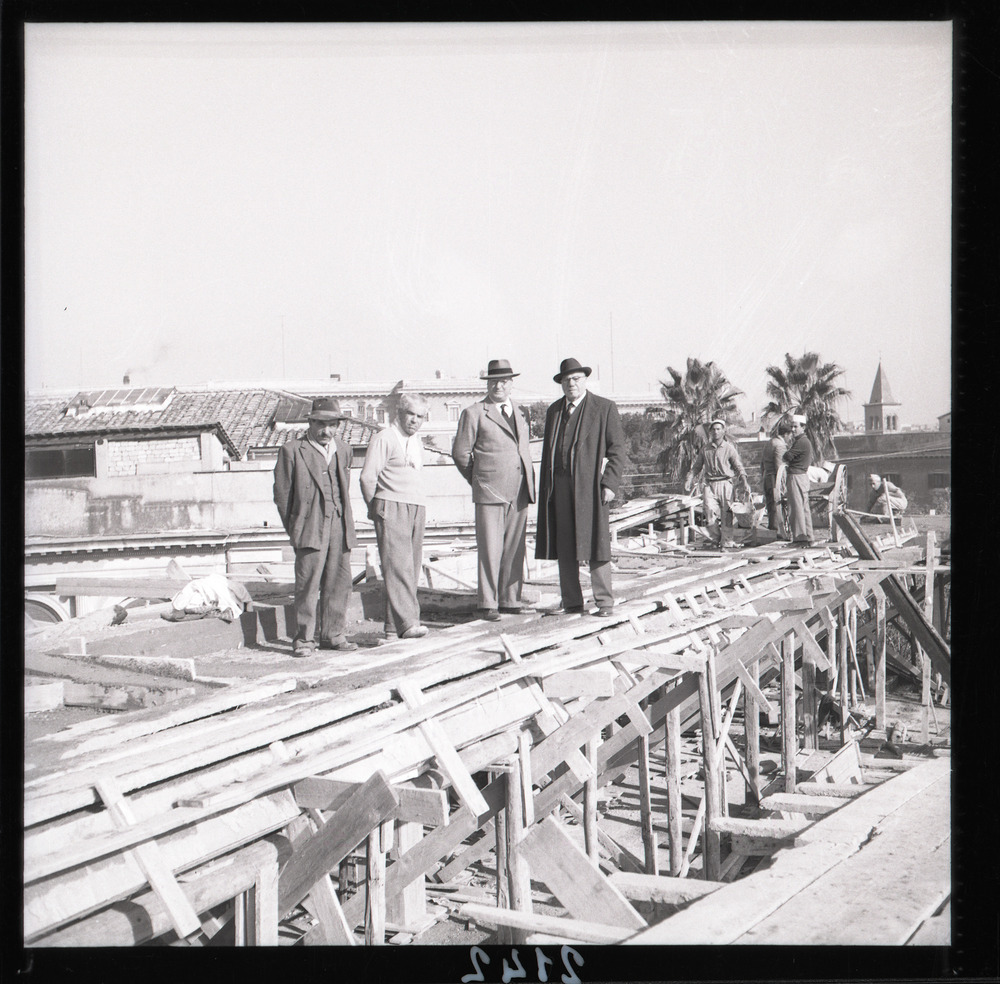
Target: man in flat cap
column 583, row 457
column 720, row 462
column 311, row 491
column 392, row 485
column 798, row 458
column 492, row 451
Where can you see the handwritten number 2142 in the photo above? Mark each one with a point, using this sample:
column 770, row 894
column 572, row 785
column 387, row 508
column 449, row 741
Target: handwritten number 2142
column 517, row 972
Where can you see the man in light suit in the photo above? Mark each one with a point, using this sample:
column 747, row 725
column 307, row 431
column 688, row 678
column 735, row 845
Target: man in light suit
column 583, row 457
column 491, row 450
column 312, row 493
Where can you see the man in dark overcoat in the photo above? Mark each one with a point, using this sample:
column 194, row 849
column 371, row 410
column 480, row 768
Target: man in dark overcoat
column 312, row 493
column 583, row 458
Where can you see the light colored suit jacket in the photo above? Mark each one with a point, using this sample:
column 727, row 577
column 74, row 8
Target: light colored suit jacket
column 493, row 460
column 298, row 492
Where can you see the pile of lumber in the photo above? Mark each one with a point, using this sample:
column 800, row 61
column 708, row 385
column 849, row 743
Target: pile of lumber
column 232, row 812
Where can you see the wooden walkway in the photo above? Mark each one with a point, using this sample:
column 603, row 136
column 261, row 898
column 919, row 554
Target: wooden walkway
column 870, row 873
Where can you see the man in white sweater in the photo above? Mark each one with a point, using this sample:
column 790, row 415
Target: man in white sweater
column 393, row 490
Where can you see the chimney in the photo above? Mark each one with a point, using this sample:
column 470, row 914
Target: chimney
column 126, row 380
column 437, row 373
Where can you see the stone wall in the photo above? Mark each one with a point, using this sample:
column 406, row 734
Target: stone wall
column 132, row 457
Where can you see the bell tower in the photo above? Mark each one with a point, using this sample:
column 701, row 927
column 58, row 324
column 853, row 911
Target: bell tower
column 881, row 415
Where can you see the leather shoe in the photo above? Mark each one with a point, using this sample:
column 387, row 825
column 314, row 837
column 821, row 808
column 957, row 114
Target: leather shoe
column 303, row 650
column 509, row 610
column 489, row 615
column 603, row 612
column 563, row 610
column 415, row 632
column 340, row 647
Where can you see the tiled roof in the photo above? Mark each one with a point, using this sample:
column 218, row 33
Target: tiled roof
column 244, row 419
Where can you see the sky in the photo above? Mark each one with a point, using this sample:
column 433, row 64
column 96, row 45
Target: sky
column 259, row 202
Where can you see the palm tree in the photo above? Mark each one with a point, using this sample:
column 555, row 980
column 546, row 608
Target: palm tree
column 703, row 392
column 807, row 386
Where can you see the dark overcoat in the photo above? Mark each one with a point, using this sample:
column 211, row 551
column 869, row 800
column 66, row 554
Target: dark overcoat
column 298, row 492
column 596, row 460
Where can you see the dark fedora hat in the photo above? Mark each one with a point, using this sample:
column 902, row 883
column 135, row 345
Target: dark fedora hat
column 498, row 369
column 326, row 408
column 570, row 365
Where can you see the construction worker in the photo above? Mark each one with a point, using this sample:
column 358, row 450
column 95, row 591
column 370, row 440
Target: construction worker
column 885, row 495
column 772, row 470
column 798, row 458
column 720, row 462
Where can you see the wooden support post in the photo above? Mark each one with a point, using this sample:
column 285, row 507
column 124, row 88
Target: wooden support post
column 375, row 884
column 518, row 879
column 672, row 741
column 590, row 804
column 502, row 863
column 852, row 632
column 789, row 740
column 646, row 808
column 844, row 669
column 408, row 909
column 880, row 716
column 751, row 727
column 925, row 663
column 810, row 708
column 713, row 810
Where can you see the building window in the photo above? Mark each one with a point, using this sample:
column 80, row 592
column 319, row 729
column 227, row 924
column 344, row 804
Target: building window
column 71, row 462
column 453, row 411
column 380, row 416
column 361, row 409
column 892, row 477
column 939, row 480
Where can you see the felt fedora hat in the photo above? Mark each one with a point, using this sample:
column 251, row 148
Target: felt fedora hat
column 498, row 369
column 326, row 408
column 568, row 366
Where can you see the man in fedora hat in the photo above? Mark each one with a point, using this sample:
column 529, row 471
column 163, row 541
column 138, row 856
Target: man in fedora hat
column 583, row 457
column 720, row 462
column 312, row 493
column 492, row 451
column 798, row 458
column 392, row 485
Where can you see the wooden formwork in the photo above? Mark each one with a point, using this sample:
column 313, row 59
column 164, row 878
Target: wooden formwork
column 261, row 793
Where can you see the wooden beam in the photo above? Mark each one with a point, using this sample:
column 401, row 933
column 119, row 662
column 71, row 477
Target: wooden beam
column 428, row 807
column 789, row 738
column 596, row 681
column 375, row 801
column 575, row 930
column 660, row 888
column 645, row 807
column 590, row 803
column 557, row 862
column 713, row 805
column 810, row 806
column 759, row 837
column 151, row 863
column 517, row 874
column 672, row 740
column 444, row 751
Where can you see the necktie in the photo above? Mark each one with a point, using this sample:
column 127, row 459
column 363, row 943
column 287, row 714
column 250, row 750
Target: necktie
column 505, row 410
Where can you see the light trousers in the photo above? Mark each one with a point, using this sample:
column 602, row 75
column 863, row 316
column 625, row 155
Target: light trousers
column 399, row 530
column 800, row 514
column 500, row 530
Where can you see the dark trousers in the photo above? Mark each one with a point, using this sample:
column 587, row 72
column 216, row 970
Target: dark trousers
column 569, row 566
column 324, row 574
column 500, row 528
column 399, row 530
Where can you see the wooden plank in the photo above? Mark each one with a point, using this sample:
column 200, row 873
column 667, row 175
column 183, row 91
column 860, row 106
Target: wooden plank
column 811, row 650
column 836, row 789
column 661, row 888
column 753, row 691
column 672, row 740
column 444, row 751
column 810, row 806
column 517, row 873
column 55, row 900
column 375, row 888
column 686, row 662
column 43, row 696
column 882, row 892
column 323, row 900
column 789, row 739
column 621, row 856
column 160, row 877
column 146, row 917
column 557, row 862
column 596, row 681
column 428, row 807
column 574, row 930
column 759, row 837
column 777, row 603
column 710, row 757
column 645, row 807
column 374, row 802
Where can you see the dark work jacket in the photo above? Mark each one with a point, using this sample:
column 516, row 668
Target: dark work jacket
column 598, row 441
column 298, row 492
